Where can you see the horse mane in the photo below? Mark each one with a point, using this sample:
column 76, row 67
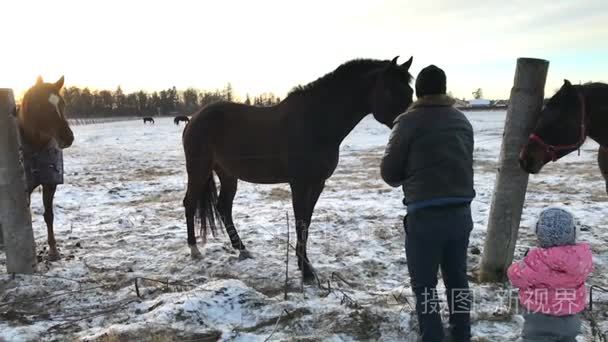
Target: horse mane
column 595, row 85
column 23, row 106
column 342, row 77
column 589, row 86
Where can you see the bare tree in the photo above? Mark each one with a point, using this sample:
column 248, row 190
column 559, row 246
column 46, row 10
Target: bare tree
column 478, row 94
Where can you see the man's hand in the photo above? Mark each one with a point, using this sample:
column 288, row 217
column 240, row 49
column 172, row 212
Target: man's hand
column 394, row 161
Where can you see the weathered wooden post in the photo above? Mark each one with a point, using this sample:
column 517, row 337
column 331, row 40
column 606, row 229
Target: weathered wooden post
column 512, row 182
column 15, row 218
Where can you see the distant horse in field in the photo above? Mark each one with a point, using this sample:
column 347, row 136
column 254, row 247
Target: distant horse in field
column 148, row 119
column 574, row 113
column 44, row 132
column 296, row 141
column 181, row 118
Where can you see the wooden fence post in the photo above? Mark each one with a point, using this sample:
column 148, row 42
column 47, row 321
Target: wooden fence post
column 512, row 182
column 15, row 218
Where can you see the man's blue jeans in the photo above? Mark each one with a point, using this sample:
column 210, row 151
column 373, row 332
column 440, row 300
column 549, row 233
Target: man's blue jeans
column 438, row 238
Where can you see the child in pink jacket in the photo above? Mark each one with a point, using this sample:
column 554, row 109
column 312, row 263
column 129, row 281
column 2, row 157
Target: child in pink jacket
column 551, row 279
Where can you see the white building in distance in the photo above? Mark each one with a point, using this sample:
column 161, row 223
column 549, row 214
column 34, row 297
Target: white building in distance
column 479, row 103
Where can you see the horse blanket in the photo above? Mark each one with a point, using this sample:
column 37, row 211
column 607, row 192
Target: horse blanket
column 42, row 167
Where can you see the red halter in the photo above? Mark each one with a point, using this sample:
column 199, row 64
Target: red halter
column 552, row 150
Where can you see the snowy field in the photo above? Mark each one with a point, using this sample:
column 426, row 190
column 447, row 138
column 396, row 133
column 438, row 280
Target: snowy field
column 119, row 219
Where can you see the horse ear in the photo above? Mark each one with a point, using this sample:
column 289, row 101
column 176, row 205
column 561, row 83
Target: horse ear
column 39, row 80
column 567, row 83
column 408, row 64
column 394, row 61
column 59, row 84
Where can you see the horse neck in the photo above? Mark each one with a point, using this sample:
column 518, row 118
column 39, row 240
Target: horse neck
column 596, row 99
column 334, row 115
column 31, row 134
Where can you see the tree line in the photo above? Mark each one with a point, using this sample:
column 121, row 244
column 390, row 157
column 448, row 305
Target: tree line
column 84, row 103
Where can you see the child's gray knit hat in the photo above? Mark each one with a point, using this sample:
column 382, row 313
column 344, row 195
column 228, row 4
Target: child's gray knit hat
column 556, row 227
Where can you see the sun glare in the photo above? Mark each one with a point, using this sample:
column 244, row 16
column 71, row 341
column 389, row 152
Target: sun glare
column 271, row 46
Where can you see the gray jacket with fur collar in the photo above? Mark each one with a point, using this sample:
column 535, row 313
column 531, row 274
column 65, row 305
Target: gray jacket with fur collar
column 430, row 152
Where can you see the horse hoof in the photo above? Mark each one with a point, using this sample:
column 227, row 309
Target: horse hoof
column 244, row 255
column 195, row 253
column 308, row 277
column 53, row 256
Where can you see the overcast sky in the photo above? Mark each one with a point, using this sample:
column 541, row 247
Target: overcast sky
column 273, row 45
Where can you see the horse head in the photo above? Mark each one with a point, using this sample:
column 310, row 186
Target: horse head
column 41, row 116
column 391, row 93
column 560, row 129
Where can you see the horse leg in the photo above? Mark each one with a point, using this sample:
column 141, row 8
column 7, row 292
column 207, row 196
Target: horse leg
column 602, row 160
column 299, row 195
column 48, row 193
column 315, row 193
column 224, row 207
column 304, row 199
column 197, row 182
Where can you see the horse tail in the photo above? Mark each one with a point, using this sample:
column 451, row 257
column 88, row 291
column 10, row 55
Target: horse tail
column 207, row 212
column 201, row 196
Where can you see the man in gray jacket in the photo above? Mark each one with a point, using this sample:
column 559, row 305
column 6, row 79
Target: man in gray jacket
column 430, row 154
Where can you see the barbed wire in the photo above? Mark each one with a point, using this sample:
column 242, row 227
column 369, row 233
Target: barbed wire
column 51, row 296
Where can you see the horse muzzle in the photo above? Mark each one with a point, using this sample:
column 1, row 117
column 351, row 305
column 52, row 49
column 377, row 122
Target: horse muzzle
column 526, row 165
column 65, row 142
column 532, row 159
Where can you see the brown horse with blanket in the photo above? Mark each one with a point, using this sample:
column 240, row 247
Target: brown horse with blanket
column 44, row 132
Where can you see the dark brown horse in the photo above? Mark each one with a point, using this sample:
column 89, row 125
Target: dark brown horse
column 148, row 119
column 181, row 118
column 296, row 142
column 574, row 113
column 44, row 132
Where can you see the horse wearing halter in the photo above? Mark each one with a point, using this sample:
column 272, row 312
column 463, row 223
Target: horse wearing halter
column 551, row 150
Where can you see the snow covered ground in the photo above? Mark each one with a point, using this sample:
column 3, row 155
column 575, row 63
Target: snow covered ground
column 119, row 219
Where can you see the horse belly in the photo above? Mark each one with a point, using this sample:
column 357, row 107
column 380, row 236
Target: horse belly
column 254, row 168
column 312, row 165
column 256, row 153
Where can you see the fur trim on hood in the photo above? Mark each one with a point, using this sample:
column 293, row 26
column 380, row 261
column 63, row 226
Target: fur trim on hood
column 433, row 101
column 440, row 100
